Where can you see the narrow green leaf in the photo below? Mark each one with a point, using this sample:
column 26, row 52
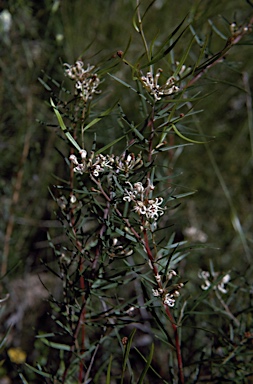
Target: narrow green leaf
column 63, row 126
column 58, row 115
column 73, row 142
column 51, row 344
column 153, row 370
column 101, row 150
column 23, row 379
column 179, row 196
column 176, row 258
column 38, row 371
column 121, row 81
column 186, row 138
column 209, row 61
column 148, row 362
column 99, row 371
column 147, row 9
column 162, row 149
column 194, row 33
column 4, row 338
column 45, row 85
column 97, row 119
column 161, row 55
column 45, row 335
column 128, row 86
column 108, row 376
column 216, row 30
column 127, row 350
column 183, row 59
column 126, row 235
column 177, row 28
column 133, row 128
column 115, row 179
column 152, row 45
column 134, row 20
column 201, row 54
column 238, row 228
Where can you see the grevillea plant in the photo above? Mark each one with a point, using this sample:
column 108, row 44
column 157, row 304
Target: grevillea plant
column 122, row 316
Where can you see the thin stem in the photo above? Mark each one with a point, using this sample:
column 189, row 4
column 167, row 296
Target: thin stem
column 177, row 345
column 229, row 313
column 167, row 311
column 82, row 313
column 219, row 57
column 141, row 30
column 126, row 221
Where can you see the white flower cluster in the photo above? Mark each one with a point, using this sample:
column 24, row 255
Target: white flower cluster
column 126, row 163
column 205, row 275
column 169, row 294
column 95, row 164
column 151, row 208
column 169, row 298
column 86, row 80
column 150, row 82
column 98, row 164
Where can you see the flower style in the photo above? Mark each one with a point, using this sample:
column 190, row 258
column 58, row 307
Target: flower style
column 79, row 167
column 169, row 300
column 151, row 208
column 154, row 209
column 169, row 294
column 157, row 292
column 136, row 189
column 150, row 82
column 205, row 275
column 101, row 163
column 86, row 80
column 95, row 164
column 127, row 163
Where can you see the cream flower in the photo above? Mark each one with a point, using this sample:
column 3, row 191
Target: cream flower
column 150, row 82
column 151, row 208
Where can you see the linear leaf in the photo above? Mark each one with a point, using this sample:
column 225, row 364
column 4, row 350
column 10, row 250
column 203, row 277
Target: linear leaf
column 162, row 149
column 108, row 376
column 54, row 345
column 4, row 338
column 148, row 362
column 23, row 379
column 158, row 57
column 183, row 59
column 101, row 150
column 101, row 116
column 128, row 86
column 63, row 126
column 45, row 85
column 41, row 373
column 127, row 351
column 126, row 235
column 159, row 53
column 186, row 138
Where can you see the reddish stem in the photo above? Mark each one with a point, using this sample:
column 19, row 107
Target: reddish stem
column 177, row 345
column 168, row 313
column 82, row 314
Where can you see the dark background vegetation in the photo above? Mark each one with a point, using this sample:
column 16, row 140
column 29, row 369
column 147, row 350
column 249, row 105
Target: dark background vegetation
column 45, row 34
